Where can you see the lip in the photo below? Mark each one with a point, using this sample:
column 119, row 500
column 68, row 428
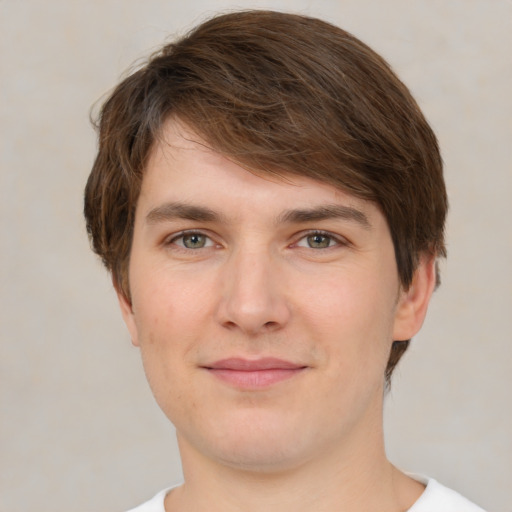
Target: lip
column 253, row 373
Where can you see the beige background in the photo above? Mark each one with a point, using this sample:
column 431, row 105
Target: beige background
column 79, row 429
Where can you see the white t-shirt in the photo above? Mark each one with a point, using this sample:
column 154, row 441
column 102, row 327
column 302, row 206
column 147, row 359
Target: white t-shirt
column 435, row 498
column 438, row 498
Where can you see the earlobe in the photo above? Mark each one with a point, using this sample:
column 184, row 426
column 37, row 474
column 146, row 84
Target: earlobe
column 413, row 303
column 128, row 316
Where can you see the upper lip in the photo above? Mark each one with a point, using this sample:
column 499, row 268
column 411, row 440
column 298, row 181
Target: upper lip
column 252, row 365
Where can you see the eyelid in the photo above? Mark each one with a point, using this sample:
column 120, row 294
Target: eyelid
column 171, row 239
column 340, row 240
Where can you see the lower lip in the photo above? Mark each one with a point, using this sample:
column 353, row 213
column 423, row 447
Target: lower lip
column 254, row 379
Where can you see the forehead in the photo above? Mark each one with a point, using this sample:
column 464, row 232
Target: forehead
column 183, row 167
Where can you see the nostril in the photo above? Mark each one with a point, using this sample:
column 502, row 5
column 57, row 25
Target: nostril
column 230, row 325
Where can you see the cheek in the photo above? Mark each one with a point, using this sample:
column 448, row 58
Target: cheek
column 165, row 299
column 165, row 351
column 168, row 323
column 349, row 304
column 164, row 333
column 354, row 318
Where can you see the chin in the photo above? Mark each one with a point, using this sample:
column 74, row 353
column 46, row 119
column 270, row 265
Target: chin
column 261, row 456
column 261, row 443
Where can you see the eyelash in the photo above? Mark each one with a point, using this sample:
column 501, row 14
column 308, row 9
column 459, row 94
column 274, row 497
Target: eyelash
column 209, row 242
column 172, row 240
column 338, row 241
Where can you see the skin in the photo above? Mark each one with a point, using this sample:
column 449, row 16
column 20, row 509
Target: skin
column 249, row 280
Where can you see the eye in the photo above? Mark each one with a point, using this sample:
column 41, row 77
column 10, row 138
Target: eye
column 192, row 241
column 318, row 240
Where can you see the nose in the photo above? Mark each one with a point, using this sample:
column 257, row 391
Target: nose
column 253, row 294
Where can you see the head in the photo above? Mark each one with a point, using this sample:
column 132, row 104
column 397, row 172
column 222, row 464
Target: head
column 280, row 94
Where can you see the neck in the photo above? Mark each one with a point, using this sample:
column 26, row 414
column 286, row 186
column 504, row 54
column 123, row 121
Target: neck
column 354, row 476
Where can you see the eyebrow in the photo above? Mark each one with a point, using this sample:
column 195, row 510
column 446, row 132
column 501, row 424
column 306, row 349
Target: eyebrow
column 331, row 211
column 171, row 211
column 177, row 210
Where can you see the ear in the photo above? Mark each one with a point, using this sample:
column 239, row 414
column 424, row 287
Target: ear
column 125, row 304
column 413, row 303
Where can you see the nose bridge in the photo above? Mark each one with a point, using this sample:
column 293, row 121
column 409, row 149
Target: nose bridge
column 252, row 297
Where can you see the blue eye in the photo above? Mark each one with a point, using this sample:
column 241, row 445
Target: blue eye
column 318, row 240
column 192, row 241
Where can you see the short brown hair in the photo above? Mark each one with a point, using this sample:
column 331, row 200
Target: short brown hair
column 278, row 93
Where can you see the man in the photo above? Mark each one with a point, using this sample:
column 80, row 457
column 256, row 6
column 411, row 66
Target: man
column 270, row 202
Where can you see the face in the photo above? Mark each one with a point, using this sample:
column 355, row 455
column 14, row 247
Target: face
column 264, row 308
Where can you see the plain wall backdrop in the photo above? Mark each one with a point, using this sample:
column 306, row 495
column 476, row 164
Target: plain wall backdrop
column 79, row 429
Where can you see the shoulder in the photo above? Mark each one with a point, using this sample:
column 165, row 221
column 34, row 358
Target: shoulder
column 438, row 498
column 435, row 498
column 155, row 504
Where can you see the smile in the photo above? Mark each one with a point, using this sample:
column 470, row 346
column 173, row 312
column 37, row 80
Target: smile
column 254, row 374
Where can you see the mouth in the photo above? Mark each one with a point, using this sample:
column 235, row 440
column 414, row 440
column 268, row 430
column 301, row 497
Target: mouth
column 254, row 374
